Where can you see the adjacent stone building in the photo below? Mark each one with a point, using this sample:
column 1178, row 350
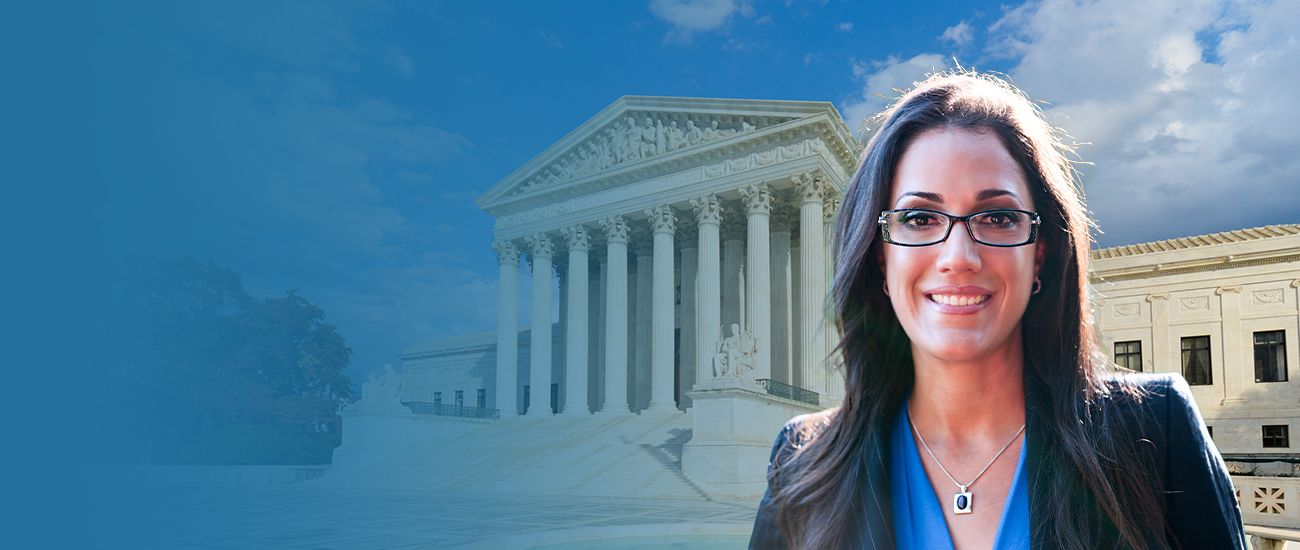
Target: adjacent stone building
column 1221, row 310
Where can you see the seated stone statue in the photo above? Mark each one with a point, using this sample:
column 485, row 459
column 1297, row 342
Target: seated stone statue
column 735, row 355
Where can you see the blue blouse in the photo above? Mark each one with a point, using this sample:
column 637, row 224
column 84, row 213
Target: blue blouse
column 918, row 519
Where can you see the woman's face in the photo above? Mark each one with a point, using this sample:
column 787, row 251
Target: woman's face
column 960, row 300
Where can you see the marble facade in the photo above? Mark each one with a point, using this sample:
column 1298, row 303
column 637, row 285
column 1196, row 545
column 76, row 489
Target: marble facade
column 635, row 207
column 1230, row 287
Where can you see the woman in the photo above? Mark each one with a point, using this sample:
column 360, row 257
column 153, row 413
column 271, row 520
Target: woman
column 978, row 411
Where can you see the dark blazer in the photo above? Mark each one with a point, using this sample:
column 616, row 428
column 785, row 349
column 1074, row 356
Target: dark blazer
column 1200, row 503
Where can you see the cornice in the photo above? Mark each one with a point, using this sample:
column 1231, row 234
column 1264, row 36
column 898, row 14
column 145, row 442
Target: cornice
column 1217, row 263
column 840, row 144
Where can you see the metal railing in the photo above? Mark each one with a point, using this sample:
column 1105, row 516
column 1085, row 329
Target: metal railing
column 439, row 409
column 795, row 393
column 304, row 474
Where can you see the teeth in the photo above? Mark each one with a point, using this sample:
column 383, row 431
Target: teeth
column 957, row 300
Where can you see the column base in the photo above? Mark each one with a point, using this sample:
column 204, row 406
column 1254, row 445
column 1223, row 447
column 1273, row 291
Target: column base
column 662, row 406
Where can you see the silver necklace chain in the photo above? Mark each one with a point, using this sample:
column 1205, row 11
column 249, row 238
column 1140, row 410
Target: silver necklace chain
column 945, row 470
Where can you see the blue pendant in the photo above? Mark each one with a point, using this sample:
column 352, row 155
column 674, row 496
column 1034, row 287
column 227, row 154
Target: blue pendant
column 961, row 503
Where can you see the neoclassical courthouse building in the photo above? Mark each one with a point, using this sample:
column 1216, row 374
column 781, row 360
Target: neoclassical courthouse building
column 688, row 242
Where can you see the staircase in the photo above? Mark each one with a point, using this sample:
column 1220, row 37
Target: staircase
column 590, row 455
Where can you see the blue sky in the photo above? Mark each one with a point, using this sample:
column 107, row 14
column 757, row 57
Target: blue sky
column 336, row 147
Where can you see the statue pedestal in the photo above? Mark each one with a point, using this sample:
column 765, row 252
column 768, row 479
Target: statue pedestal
column 736, row 422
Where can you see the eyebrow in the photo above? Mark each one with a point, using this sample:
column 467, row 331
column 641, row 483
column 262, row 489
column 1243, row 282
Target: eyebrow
column 982, row 196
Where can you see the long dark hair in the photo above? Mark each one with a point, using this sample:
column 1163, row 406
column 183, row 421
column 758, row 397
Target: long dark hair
column 1092, row 467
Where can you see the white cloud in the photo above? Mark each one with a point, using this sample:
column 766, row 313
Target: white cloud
column 845, row 26
column 551, row 40
column 1181, row 146
column 396, row 59
column 959, row 34
column 882, row 82
column 692, row 16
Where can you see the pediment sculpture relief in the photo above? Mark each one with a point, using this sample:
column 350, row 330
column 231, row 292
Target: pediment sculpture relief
column 627, row 141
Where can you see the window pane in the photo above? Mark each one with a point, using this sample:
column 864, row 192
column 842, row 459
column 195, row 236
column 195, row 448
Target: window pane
column 1129, row 355
column 1196, row 360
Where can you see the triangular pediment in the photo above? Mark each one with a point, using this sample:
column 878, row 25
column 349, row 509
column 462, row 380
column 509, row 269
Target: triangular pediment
column 643, row 134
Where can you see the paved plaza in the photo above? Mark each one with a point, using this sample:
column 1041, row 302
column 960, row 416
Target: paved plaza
column 310, row 515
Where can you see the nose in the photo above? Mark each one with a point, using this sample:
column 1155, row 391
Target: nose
column 959, row 253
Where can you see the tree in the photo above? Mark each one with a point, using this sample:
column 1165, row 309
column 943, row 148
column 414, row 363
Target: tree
column 197, row 371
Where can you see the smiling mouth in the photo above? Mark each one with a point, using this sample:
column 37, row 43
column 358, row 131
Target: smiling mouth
column 957, row 299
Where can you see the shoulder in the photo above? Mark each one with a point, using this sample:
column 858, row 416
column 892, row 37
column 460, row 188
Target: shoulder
column 798, row 432
column 1159, row 391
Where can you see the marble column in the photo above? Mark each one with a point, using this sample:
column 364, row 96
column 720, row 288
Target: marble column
column 539, row 365
column 664, row 224
column 576, row 331
column 507, row 328
column 708, row 305
column 561, row 263
column 828, row 383
column 616, row 316
column 758, row 276
column 690, row 265
column 644, row 274
column 780, row 277
column 810, row 191
column 796, row 308
column 596, row 344
column 733, row 235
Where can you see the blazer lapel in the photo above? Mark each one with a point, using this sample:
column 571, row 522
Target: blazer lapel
column 875, row 527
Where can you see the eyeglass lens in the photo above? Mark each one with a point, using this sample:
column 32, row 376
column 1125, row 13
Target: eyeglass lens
column 997, row 227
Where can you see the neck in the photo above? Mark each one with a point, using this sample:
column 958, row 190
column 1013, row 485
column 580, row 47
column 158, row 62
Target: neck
column 960, row 401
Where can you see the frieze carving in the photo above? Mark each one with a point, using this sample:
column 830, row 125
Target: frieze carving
column 1295, row 283
column 708, row 209
column 616, row 229
column 576, row 237
column 1127, row 310
column 1261, row 297
column 627, row 141
column 541, row 245
column 507, row 252
column 1199, row 303
column 1158, row 296
column 781, row 153
column 662, row 219
column 758, row 198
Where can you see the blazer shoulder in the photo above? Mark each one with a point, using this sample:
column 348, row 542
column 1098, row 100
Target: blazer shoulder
column 798, row 432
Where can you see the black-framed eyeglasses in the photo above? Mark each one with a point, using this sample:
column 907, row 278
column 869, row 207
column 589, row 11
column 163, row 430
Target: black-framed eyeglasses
column 921, row 227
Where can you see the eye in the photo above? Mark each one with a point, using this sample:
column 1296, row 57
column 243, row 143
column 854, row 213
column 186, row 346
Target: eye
column 1002, row 219
column 919, row 219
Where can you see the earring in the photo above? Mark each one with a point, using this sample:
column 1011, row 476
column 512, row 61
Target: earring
column 886, row 285
column 1038, row 286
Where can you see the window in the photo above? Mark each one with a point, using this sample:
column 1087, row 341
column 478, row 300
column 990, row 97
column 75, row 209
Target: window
column 1196, row 360
column 1211, row 430
column 1277, row 436
column 1270, row 356
column 460, row 398
column 1129, row 355
column 437, row 398
column 482, row 398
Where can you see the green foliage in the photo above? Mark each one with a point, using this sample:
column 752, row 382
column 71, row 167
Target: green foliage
column 196, row 371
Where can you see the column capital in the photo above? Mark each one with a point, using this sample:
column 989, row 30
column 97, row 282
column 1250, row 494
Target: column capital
column 757, row 197
column 616, row 229
column 689, row 235
column 577, row 237
column 810, row 186
column 734, row 228
column 541, row 245
column 642, row 243
column 708, row 209
column 507, row 252
column 784, row 216
column 832, row 207
column 662, row 219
